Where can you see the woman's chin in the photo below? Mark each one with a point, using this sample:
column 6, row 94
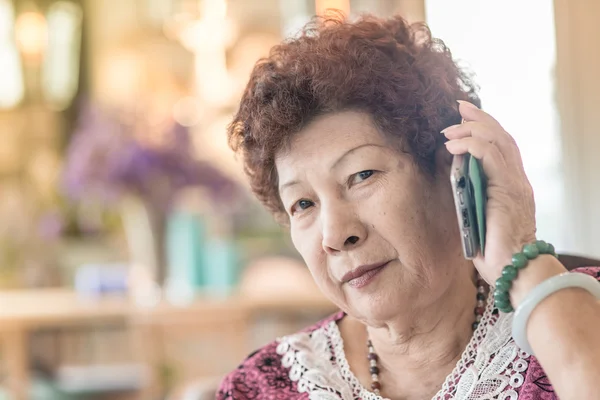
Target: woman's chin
column 383, row 304
column 381, row 298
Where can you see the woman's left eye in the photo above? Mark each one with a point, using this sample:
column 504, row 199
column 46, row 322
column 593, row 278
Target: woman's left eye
column 361, row 176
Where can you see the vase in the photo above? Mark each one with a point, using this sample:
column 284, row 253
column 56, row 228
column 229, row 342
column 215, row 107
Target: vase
column 144, row 227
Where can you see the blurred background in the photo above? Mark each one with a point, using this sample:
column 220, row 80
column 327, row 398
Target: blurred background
column 134, row 262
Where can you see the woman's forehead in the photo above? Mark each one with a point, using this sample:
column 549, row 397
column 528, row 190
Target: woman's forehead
column 330, row 134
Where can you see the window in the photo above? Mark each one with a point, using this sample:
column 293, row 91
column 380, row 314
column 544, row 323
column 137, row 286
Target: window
column 11, row 78
column 510, row 46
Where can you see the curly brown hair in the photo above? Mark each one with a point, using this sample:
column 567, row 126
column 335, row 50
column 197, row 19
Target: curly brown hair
column 396, row 72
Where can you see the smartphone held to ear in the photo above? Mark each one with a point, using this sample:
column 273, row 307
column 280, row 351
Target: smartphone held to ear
column 470, row 198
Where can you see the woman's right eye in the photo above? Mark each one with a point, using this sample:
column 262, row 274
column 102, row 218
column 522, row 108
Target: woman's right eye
column 301, row 205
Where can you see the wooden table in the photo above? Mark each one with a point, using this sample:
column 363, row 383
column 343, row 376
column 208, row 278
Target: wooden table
column 24, row 311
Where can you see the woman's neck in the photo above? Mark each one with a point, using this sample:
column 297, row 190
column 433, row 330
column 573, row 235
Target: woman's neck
column 418, row 349
column 434, row 335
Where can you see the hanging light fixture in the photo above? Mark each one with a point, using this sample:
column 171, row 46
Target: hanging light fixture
column 12, row 88
column 31, row 35
column 321, row 6
column 60, row 73
column 208, row 38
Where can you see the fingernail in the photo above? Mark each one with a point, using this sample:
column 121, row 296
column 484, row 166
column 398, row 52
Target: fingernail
column 445, row 130
column 466, row 103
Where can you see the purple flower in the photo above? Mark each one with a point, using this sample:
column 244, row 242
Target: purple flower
column 107, row 158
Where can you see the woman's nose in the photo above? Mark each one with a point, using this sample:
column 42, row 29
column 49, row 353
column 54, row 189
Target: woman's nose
column 342, row 230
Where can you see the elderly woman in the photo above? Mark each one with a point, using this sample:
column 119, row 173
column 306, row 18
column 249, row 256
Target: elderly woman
column 339, row 130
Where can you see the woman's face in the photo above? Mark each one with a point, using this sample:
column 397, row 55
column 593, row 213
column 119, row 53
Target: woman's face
column 379, row 237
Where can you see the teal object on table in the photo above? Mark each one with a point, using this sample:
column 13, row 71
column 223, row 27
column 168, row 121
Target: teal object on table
column 186, row 236
column 221, row 266
column 200, row 259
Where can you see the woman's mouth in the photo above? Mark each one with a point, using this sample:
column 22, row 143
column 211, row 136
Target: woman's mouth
column 363, row 275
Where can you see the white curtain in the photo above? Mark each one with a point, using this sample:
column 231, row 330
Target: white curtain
column 578, row 94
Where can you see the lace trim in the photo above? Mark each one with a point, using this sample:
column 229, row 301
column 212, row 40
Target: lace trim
column 337, row 345
column 491, row 365
column 306, row 356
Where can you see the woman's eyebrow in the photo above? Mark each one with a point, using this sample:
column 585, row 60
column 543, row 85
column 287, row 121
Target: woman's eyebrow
column 352, row 150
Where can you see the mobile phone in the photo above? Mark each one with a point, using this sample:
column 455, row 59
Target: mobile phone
column 469, row 188
column 465, row 205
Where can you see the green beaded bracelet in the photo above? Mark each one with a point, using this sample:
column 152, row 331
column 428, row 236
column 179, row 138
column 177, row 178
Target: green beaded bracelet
column 510, row 272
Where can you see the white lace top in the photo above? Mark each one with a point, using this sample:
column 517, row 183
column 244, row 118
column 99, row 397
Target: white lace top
column 491, row 367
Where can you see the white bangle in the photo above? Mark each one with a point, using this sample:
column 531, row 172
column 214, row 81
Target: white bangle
column 539, row 293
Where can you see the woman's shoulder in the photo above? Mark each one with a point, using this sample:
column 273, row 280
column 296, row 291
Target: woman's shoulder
column 259, row 375
column 262, row 374
column 593, row 271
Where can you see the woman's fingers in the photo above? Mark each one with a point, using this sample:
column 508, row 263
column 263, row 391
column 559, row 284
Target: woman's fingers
column 479, row 130
column 471, row 112
column 472, row 128
column 483, row 126
column 494, row 163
